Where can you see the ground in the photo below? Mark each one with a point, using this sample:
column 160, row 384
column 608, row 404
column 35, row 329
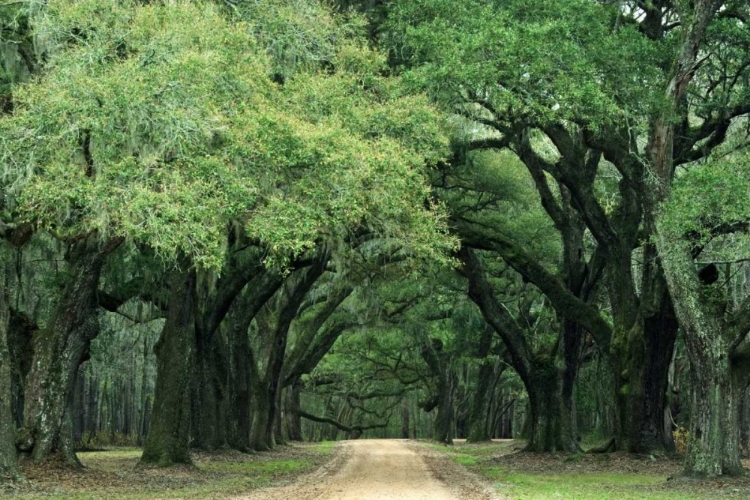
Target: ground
column 613, row 476
column 385, row 469
column 376, row 469
column 113, row 474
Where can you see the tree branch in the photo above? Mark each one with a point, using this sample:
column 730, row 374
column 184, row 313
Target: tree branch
column 339, row 425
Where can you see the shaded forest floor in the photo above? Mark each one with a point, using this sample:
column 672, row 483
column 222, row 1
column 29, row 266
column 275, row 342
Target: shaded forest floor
column 517, row 476
column 113, row 474
column 531, row 476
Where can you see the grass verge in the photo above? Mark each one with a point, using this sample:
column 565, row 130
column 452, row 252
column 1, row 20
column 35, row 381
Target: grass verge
column 616, row 476
column 113, row 474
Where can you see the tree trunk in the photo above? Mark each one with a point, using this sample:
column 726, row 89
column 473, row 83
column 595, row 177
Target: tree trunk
column 551, row 425
column 141, row 431
column 444, row 420
column 168, row 437
column 20, row 334
column 238, row 388
column 207, row 394
column 478, row 429
column 59, row 351
column 648, row 375
column 404, row 418
column 8, row 457
column 278, row 424
column 293, row 418
column 745, row 424
column 79, row 413
column 714, row 447
column 260, row 437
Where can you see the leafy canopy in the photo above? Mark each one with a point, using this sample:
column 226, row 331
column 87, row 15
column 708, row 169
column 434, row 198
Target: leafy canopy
column 537, row 62
column 709, row 207
column 161, row 123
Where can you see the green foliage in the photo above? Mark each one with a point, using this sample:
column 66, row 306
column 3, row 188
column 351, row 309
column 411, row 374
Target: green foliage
column 494, row 189
column 709, row 204
column 556, row 61
column 159, row 123
column 298, row 35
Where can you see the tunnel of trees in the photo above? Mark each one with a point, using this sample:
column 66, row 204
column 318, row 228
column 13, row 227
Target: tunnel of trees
column 235, row 224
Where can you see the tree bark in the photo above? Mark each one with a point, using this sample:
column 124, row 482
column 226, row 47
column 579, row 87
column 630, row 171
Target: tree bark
column 404, row 418
column 552, row 428
column 478, row 429
column 142, row 416
column 714, row 447
column 168, row 437
column 59, row 351
column 444, row 421
column 651, row 350
column 238, row 388
column 208, row 393
column 438, row 364
column 260, row 437
column 279, row 432
column 294, row 420
column 21, row 331
column 8, row 456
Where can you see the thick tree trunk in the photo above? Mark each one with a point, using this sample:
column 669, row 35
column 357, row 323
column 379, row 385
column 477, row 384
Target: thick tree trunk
column 714, row 447
column 293, row 418
column 549, row 383
column 551, row 426
column 59, row 351
column 439, row 365
column 168, row 439
column 551, row 418
column 443, row 432
column 273, row 377
column 261, row 431
column 278, row 424
column 8, row 456
column 79, row 416
column 478, row 429
column 21, row 331
column 745, row 424
column 648, row 375
column 572, row 339
column 207, row 394
column 238, row 390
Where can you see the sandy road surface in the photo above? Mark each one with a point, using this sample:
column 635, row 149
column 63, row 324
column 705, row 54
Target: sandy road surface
column 386, row 469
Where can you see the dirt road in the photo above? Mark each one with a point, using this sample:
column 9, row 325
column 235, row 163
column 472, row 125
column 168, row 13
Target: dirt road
column 386, row 469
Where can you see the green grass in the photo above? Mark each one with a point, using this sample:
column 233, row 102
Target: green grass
column 268, row 469
column 549, row 479
column 586, row 486
column 324, row 448
column 113, row 474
